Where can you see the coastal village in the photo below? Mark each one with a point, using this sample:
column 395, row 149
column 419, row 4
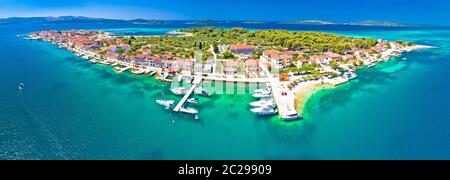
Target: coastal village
column 288, row 69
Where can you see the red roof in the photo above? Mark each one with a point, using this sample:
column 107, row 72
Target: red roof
column 241, row 46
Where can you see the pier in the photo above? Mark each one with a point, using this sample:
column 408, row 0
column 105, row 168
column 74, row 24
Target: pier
column 285, row 103
column 237, row 80
column 197, row 81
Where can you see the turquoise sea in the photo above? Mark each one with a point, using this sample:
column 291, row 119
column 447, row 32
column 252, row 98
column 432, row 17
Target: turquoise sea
column 71, row 109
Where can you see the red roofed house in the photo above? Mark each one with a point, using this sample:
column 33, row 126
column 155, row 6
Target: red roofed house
column 278, row 59
column 333, row 56
column 230, row 67
column 242, row 49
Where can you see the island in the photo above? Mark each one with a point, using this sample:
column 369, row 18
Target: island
column 291, row 65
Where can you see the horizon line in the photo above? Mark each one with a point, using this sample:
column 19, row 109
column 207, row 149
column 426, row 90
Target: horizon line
column 211, row 19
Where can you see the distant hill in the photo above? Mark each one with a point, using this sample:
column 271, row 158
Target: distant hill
column 382, row 23
column 59, row 19
column 82, row 19
column 144, row 21
column 361, row 23
column 310, row 22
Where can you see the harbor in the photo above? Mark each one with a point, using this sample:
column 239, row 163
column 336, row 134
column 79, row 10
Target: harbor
column 234, row 63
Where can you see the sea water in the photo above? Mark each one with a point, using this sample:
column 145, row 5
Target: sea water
column 71, row 109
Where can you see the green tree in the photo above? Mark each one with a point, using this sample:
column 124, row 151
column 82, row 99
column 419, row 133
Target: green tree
column 334, row 64
column 120, row 51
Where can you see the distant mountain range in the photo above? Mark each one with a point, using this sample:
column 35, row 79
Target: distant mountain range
column 81, row 19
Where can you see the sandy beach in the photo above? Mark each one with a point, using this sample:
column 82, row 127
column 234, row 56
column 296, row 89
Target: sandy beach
column 305, row 90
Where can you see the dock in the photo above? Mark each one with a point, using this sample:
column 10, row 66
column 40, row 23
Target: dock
column 285, row 103
column 197, row 81
column 237, row 80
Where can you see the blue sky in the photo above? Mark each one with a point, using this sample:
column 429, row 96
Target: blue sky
column 412, row 11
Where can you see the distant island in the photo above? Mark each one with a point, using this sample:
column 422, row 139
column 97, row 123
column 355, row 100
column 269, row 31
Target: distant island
column 293, row 64
column 82, row 19
column 361, row 23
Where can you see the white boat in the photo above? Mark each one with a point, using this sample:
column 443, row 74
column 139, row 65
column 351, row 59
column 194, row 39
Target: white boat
column 291, row 116
column 268, row 89
column 21, row 87
column 264, row 111
column 93, row 61
column 179, row 91
column 115, row 63
column 201, row 91
column 371, row 65
column 166, row 103
column 350, row 76
column 262, row 95
column 404, row 58
column 263, row 102
column 121, row 68
column 193, row 101
column 152, row 73
column 180, row 78
column 105, row 62
column 138, row 72
column 188, row 110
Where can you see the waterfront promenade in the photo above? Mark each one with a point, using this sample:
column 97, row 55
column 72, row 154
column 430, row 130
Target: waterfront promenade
column 284, row 99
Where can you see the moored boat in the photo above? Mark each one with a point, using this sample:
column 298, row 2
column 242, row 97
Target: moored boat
column 179, row 91
column 263, row 102
column 152, row 73
column 291, row 116
column 188, row 110
column 201, row 91
column 121, row 68
column 193, row 100
column 105, row 62
column 264, row 111
column 138, row 71
column 262, row 95
column 350, row 76
column 165, row 103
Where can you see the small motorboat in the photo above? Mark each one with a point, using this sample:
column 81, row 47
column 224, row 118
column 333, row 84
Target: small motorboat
column 188, row 110
column 268, row 89
column 201, row 91
column 105, row 62
column 262, row 95
column 179, row 91
column 21, row 87
column 93, row 61
column 166, row 103
column 138, row 72
column 291, row 116
column 121, row 68
column 263, row 102
column 264, row 111
column 350, row 76
column 114, row 63
column 152, row 73
column 193, row 101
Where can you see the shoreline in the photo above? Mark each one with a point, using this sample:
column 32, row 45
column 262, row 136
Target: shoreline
column 173, row 33
column 305, row 91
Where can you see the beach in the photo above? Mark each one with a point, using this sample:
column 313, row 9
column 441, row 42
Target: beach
column 305, row 90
